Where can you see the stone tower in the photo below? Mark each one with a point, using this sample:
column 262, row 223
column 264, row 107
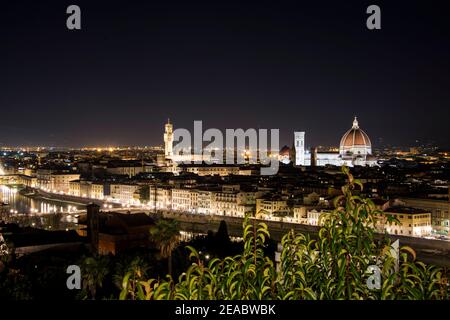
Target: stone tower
column 168, row 140
column 299, row 144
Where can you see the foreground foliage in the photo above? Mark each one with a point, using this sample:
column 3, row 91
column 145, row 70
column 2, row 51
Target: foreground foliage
column 95, row 269
column 165, row 233
column 336, row 265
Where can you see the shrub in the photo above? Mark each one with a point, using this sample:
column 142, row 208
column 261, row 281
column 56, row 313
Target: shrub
column 334, row 266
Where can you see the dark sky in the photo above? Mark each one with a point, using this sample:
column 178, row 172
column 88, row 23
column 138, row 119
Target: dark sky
column 293, row 65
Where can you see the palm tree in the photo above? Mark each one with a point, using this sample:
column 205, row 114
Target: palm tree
column 94, row 271
column 166, row 234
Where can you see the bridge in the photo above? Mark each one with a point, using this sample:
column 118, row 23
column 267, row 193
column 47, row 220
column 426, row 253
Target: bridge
column 17, row 180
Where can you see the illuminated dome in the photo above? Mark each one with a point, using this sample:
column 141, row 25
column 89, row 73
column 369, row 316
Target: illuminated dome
column 285, row 151
column 285, row 155
column 355, row 143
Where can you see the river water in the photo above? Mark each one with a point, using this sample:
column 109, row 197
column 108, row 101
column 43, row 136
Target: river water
column 43, row 213
column 37, row 212
column 47, row 214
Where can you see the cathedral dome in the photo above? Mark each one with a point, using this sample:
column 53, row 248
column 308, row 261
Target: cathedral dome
column 355, row 142
column 285, row 151
column 285, row 155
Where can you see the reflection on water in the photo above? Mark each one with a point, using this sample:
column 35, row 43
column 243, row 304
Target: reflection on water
column 54, row 215
column 187, row 235
column 37, row 212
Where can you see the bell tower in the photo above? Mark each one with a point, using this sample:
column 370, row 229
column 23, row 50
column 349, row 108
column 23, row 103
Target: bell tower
column 299, row 145
column 168, row 140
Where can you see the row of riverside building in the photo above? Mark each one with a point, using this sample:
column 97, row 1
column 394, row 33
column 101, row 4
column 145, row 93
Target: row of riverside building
column 418, row 217
column 198, row 195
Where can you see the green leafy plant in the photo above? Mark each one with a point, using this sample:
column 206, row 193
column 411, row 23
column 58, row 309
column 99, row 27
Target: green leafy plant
column 334, row 265
column 130, row 274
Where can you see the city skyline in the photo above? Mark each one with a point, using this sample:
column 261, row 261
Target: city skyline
column 221, row 151
column 287, row 143
column 233, row 65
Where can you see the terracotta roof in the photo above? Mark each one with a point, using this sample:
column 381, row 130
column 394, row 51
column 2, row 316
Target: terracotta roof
column 355, row 137
column 285, row 151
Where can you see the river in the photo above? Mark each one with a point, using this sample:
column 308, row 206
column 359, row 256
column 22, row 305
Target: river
column 43, row 213
column 36, row 211
column 48, row 214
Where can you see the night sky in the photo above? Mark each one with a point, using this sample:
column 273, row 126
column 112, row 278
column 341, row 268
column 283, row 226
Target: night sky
column 292, row 65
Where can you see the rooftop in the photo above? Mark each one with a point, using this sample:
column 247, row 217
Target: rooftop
column 405, row 210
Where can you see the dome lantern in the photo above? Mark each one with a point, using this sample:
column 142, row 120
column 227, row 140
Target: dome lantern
column 355, row 142
column 355, row 123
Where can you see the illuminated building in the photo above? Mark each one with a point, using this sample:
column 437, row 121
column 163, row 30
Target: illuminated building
column 284, row 155
column 439, row 209
column 86, row 189
column 413, row 222
column 54, row 181
column 168, row 140
column 171, row 158
column 355, row 148
column 267, row 207
column 124, row 193
column 299, row 145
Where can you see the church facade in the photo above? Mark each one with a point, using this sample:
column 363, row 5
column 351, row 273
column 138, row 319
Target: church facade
column 355, row 148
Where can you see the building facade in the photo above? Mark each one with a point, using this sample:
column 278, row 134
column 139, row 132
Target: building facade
column 168, row 140
column 55, row 181
column 412, row 222
column 299, row 145
column 355, row 148
column 124, row 193
column 439, row 209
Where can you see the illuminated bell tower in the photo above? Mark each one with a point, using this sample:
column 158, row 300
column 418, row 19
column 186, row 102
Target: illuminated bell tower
column 168, row 140
column 299, row 144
